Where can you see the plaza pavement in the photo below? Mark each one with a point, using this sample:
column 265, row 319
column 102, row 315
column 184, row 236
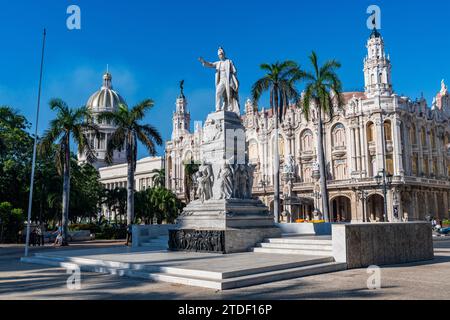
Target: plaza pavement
column 428, row 280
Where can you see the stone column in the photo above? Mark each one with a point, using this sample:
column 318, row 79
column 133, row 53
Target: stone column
column 353, row 158
column 380, row 143
column 358, row 150
column 407, row 150
column 420, row 167
column 364, row 147
column 436, row 212
column 398, row 152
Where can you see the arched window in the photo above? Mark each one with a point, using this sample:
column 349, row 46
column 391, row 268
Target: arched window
column 426, row 166
column 370, row 132
column 307, row 141
column 338, row 136
column 433, row 139
column 253, row 154
column 423, row 137
column 387, row 131
column 281, row 147
column 415, row 165
column 307, row 175
column 413, row 134
column 389, row 165
column 340, row 169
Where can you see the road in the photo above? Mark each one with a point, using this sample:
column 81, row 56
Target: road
column 427, row 280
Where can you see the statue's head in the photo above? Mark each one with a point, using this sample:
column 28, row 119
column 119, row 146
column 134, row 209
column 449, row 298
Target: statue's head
column 221, row 53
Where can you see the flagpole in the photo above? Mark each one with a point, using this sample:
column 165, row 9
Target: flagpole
column 30, row 199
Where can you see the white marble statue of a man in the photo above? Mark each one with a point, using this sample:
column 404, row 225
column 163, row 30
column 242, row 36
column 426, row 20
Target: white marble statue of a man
column 227, row 84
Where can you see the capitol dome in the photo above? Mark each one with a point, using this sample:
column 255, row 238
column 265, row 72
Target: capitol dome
column 106, row 99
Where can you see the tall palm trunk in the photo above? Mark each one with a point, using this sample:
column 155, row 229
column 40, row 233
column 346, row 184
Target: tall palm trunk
column 66, row 193
column 276, row 165
column 322, row 164
column 130, row 185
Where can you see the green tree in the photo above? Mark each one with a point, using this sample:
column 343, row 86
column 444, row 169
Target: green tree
column 166, row 204
column 159, row 177
column 11, row 222
column 15, row 157
column 68, row 124
column 116, row 200
column 279, row 80
column 323, row 90
column 87, row 190
column 129, row 131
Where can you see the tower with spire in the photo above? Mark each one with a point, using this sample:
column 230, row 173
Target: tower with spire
column 181, row 117
column 377, row 68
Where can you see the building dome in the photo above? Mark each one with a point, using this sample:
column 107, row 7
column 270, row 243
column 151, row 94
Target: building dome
column 106, row 99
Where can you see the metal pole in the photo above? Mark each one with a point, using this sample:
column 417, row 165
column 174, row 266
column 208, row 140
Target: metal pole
column 30, row 199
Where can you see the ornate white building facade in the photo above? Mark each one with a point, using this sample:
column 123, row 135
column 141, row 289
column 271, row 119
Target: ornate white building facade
column 376, row 130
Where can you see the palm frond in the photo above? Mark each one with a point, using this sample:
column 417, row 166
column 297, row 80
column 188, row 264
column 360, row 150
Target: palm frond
column 59, row 105
column 138, row 111
column 152, row 133
column 259, row 87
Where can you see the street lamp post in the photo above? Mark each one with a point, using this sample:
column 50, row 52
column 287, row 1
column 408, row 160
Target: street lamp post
column 362, row 195
column 385, row 179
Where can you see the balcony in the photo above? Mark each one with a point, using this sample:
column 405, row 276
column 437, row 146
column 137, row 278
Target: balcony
column 307, row 156
column 389, row 146
column 372, row 148
column 339, row 152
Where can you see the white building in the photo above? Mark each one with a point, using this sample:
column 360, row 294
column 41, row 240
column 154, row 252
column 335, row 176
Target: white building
column 375, row 130
column 115, row 176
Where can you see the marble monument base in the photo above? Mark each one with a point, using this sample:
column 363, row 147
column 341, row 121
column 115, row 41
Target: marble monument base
column 223, row 226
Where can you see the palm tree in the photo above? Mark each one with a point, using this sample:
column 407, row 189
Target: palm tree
column 159, row 177
column 166, row 204
column 279, row 81
column 129, row 131
column 68, row 124
column 323, row 89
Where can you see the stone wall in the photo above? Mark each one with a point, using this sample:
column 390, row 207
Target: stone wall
column 143, row 233
column 363, row 245
column 318, row 229
column 242, row 240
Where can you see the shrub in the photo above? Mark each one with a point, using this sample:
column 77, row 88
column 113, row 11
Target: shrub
column 112, row 232
column 11, row 223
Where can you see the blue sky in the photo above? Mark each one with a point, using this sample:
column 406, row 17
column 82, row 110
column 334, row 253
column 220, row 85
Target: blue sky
column 151, row 45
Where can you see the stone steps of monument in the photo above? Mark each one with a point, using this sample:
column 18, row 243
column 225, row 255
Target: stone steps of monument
column 315, row 247
column 160, row 242
column 299, row 241
column 291, row 251
column 243, row 278
column 300, row 245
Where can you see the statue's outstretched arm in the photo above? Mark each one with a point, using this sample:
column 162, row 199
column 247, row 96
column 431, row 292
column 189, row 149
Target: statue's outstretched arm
column 206, row 63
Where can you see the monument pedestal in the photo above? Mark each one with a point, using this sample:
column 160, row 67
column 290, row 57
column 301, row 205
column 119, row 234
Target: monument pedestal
column 225, row 219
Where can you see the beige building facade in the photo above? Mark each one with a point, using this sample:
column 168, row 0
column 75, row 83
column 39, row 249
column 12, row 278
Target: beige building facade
column 376, row 133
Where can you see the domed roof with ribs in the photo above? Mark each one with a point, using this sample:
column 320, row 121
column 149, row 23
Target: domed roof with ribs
column 106, row 99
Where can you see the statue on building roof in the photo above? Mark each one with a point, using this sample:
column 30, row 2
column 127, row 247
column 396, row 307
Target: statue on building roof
column 182, row 89
column 444, row 88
